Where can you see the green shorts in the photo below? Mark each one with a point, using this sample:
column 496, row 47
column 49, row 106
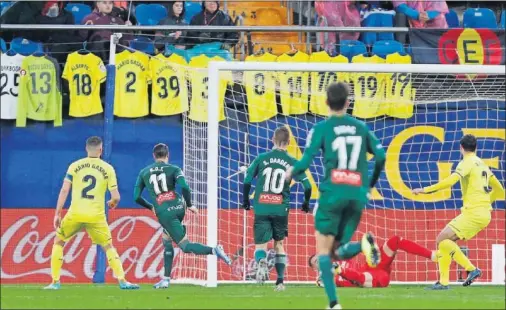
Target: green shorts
column 172, row 221
column 339, row 218
column 268, row 227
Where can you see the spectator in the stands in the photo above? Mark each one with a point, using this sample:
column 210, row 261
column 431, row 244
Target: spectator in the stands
column 59, row 42
column 212, row 15
column 338, row 14
column 175, row 17
column 420, row 14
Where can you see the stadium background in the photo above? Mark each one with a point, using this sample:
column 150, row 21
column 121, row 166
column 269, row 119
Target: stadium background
column 34, row 160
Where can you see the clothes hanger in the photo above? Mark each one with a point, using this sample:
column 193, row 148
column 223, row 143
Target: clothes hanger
column 84, row 51
column 293, row 50
column 260, row 52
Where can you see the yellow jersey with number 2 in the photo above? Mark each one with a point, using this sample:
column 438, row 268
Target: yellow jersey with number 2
column 90, row 177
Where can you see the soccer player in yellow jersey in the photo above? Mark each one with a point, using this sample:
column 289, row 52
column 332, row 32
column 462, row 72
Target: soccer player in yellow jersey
column 479, row 189
column 89, row 178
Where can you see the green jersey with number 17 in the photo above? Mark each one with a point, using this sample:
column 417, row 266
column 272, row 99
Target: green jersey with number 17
column 272, row 191
column 160, row 180
column 344, row 142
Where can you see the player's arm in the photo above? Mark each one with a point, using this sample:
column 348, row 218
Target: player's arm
column 185, row 188
column 112, row 185
column 251, row 173
column 463, row 169
column 313, row 145
column 497, row 189
column 139, row 187
column 374, row 147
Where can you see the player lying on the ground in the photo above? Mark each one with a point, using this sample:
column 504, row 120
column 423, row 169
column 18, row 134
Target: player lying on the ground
column 272, row 203
column 480, row 188
column 160, row 179
column 358, row 273
column 344, row 142
column 89, row 178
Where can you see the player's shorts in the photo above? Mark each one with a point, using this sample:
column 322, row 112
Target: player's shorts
column 339, row 218
column 98, row 231
column 268, row 227
column 172, row 221
column 470, row 222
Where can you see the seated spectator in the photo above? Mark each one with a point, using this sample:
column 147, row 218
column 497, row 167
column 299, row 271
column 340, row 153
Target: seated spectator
column 338, row 14
column 175, row 17
column 212, row 15
column 420, row 14
column 104, row 14
column 53, row 13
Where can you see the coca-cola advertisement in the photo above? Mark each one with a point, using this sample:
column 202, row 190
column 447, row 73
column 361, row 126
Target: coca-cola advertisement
column 27, row 236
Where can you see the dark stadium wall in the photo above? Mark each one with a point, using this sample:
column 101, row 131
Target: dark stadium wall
column 34, row 159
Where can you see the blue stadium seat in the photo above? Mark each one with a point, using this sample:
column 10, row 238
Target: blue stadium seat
column 350, row 48
column 480, row 18
column 452, row 19
column 150, row 14
column 79, row 11
column 502, row 23
column 143, row 44
column 26, row 47
column 3, row 46
column 191, row 8
column 4, row 5
column 384, row 48
column 377, row 19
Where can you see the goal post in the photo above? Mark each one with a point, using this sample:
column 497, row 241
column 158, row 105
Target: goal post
column 450, row 100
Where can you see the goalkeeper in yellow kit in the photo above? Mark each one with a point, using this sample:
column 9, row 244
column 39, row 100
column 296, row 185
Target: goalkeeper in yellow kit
column 479, row 189
column 89, row 178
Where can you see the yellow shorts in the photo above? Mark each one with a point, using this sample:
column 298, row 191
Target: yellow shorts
column 469, row 223
column 98, row 231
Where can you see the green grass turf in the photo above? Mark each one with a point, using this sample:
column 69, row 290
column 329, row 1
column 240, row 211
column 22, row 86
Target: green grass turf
column 247, row 297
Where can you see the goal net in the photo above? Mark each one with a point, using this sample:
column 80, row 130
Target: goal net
column 418, row 112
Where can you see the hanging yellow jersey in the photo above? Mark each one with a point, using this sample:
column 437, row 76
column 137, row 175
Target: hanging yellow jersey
column 85, row 73
column 369, row 89
column 294, row 86
column 169, row 94
column 200, row 84
column 321, row 80
column 261, row 90
column 132, row 79
column 400, row 94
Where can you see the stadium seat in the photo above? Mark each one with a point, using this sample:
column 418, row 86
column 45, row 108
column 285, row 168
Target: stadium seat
column 3, row 46
column 250, row 4
column 261, row 16
column 502, row 22
column 25, row 47
column 480, row 18
column 384, row 48
column 277, row 43
column 150, row 14
column 143, row 44
column 191, row 8
column 452, row 19
column 79, row 11
column 377, row 19
column 351, row 48
column 4, row 5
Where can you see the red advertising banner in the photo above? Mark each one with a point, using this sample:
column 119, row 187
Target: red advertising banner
column 27, row 237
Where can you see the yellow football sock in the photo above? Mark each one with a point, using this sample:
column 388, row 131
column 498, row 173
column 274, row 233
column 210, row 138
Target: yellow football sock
column 115, row 263
column 458, row 256
column 444, row 261
column 56, row 261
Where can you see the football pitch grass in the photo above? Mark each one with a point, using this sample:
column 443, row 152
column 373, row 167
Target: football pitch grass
column 248, row 297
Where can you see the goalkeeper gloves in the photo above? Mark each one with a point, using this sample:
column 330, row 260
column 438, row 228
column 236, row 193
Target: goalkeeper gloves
column 246, row 205
column 305, row 207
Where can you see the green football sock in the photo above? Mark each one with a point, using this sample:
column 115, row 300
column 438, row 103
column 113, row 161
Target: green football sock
column 259, row 254
column 349, row 250
column 327, row 276
column 280, row 264
column 168, row 257
column 195, row 248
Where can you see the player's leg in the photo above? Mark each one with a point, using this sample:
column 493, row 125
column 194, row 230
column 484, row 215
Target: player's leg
column 262, row 233
column 368, row 278
column 395, row 243
column 280, row 231
column 168, row 258
column 68, row 228
column 100, row 234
